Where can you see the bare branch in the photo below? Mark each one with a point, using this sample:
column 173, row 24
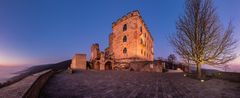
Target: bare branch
column 200, row 37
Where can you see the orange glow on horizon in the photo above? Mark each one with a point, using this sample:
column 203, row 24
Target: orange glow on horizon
column 9, row 61
column 13, row 59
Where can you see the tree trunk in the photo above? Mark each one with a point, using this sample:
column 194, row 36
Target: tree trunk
column 199, row 72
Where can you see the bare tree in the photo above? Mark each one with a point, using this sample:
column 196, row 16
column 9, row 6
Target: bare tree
column 171, row 59
column 200, row 37
column 226, row 68
column 187, row 62
column 160, row 58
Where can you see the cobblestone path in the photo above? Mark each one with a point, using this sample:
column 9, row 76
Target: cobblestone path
column 124, row 84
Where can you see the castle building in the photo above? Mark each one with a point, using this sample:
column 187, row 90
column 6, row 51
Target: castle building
column 129, row 41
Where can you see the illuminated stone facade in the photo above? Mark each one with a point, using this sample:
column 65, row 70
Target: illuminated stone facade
column 79, row 61
column 129, row 41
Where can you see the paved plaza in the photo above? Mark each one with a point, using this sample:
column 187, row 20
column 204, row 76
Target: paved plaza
column 125, row 84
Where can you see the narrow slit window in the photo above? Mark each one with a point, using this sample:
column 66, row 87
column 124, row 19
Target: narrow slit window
column 125, row 38
column 141, row 29
column 124, row 27
column 125, row 50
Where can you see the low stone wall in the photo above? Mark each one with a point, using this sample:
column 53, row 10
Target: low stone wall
column 34, row 90
column 19, row 89
column 149, row 66
column 230, row 76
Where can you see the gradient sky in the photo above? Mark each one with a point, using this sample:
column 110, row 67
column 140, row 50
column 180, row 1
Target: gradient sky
column 47, row 31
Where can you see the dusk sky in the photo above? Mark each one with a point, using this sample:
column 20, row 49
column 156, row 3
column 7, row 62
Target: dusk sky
column 36, row 32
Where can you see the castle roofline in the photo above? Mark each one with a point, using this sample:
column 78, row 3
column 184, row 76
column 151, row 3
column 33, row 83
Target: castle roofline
column 131, row 14
column 80, row 54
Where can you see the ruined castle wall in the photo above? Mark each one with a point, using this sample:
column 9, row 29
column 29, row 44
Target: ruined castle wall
column 94, row 52
column 149, row 66
column 79, row 61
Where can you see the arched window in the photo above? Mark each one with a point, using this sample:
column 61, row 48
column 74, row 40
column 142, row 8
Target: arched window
column 141, row 41
column 125, row 50
column 125, row 38
column 124, row 27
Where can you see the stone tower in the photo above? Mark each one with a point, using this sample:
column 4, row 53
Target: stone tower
column 130, row 39
column 79, row 62
column 95, row 52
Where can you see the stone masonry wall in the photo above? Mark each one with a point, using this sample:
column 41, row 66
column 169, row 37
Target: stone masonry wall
column 139, row 43
column 79, row 61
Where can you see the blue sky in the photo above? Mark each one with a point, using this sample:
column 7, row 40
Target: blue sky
column 48, row 31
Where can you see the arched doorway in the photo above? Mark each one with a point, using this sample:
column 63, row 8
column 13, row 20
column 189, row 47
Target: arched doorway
column 97, row 66
column 108, row 65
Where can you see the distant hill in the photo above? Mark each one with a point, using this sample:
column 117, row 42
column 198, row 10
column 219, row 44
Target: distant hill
column 35, row 69
column 38, row 68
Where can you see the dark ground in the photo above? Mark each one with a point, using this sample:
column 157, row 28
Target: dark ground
column 125, row 84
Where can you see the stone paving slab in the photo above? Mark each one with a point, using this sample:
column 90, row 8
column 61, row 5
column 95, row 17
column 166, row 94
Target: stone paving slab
column 18, row 89
column 124, row 84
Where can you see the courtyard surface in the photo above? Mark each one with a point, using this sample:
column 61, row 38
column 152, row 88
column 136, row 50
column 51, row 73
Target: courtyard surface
column 125, row 84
